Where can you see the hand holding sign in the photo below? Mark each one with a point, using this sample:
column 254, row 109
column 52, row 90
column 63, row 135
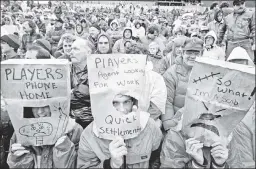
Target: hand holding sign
column 219, row 153
column 194, row 148
column 117, row 150
column 18, row 150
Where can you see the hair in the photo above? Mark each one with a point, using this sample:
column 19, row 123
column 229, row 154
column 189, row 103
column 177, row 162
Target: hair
column 84, row 43
column 214, row 4
column 41, row 52
column 32, row 25
column 237, row 2
column 224, row 5
column 152, row 29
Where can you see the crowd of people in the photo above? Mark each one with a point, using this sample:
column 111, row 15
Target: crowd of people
column 172, row 40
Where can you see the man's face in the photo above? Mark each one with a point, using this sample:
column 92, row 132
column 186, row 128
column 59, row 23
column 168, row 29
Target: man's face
column 127, row 34
column 103, row 45
column 138, row 26
column 152, row 35
column 27, row 28
column 203, row 33
column 114, row 25
column 67, row 47
column 31, row 54
column 178, row 51
column 41, row 111
column 5, row 47
column 7, row 21
column 123, row 103
column 189, row 57
column 94, row 32
column 239, row 7
column 78, row 53
column 153, row 49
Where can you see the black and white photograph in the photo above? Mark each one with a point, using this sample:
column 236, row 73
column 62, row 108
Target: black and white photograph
column 127, row 84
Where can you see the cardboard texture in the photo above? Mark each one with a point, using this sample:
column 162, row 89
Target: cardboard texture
column 219, row 95
column 37, row 83
column 111, row 75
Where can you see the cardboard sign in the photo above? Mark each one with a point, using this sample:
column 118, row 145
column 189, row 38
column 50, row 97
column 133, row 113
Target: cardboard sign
column 109, row 76
column 30, row 84
column 219, row 95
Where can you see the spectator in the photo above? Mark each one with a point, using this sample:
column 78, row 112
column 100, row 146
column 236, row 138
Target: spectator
column 65, row 46
column 240, row 29
column 104, row 44
column 9, row 46
column 94, row 31
column 211, row 50
column 176, row 79
column 119, row 46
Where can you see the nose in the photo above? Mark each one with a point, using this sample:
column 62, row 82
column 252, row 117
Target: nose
column 122, row 109
column 40, row 112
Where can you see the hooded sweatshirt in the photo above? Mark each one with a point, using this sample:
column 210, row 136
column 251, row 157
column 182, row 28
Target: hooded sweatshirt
column 138, row 32
column 110, row 43
column 240, row 53
column 9, row 29
column 213, row 51
column 115, row 34
column 119, row 44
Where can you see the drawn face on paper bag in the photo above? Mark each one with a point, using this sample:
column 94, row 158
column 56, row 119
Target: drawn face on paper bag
column 206, row 128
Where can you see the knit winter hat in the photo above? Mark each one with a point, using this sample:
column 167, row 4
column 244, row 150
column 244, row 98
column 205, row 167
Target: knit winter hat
column 44, row 44
column 12, row 40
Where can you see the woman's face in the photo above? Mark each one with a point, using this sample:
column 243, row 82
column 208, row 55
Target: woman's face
column 127, row 34
column 220, row 16
column 138, row 26
column 7, row 21
column 67, row 47
column 41, row 111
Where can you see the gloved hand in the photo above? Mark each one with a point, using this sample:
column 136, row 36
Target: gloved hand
column 117, row 149
column 18, row 150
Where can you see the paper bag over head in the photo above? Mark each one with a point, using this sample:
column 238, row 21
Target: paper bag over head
column 114, row 78
column 219, row 94
column 37, row 94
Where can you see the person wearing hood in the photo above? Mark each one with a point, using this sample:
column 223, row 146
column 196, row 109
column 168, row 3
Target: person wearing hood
column 9, row 27
column 176, row 79
column 9, row 46
column 240, row 29
column 218, row 25
column 155, row 58
column 85, row 25
column 138, row 30
column 240, row 56
column 80, row 32
column 94, row 32
column 96, row 152
column 104, row 44
column 119, row 46
column 114, row 32
column 211, row 50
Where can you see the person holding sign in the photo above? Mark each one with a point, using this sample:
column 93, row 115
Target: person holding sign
column 60, row 155
column 176, row 79
column 95, row 152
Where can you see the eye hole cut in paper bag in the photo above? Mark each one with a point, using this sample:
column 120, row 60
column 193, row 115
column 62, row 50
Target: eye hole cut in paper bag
column 111, row 75
column 30, row 84
column 219, row 95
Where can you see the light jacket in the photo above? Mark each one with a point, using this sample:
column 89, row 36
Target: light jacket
column 174, row 155
column 240, row 26
column 218, row 27
column 213, row 52
column 61, row 156
column 176, row 80
column 242, row 146
column 93, row 151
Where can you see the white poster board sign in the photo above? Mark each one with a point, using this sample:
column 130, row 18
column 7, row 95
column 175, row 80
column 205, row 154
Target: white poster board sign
column 109, row 76
column 29, row 84
column 219, row 95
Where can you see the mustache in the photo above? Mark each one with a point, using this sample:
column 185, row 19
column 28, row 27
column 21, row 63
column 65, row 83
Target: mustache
column 207, row 127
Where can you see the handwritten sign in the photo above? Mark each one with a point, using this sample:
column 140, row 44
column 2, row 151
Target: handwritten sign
column 110, row 75
column 30, row 84
column 219, row 95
